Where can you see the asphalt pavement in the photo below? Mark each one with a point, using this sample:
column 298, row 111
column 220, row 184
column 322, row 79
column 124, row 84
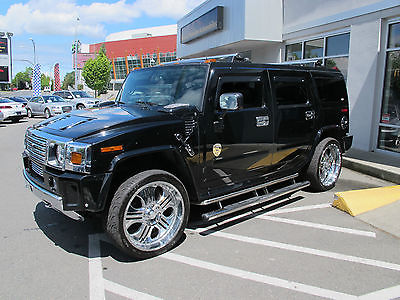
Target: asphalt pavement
column 299, row 248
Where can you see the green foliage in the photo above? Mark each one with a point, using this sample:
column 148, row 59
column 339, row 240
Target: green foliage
column 23, row 79
column 44, row 80
column 102, row 50
column 69, row 80
column 80, row 86
column 97, row 72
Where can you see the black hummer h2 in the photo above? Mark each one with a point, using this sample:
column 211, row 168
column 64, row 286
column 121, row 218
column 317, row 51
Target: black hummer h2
column 195, row 132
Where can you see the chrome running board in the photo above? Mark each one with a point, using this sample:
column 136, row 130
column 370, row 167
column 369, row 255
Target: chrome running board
column 248, row 190
column 254, row 201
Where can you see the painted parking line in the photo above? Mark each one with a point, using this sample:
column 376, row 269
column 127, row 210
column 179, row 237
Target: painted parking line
column 126, row 292
column 301, row 208
column 282, row 283
column 289, row 247
column 319, row 226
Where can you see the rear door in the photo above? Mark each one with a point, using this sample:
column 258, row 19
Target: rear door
column 296, row 115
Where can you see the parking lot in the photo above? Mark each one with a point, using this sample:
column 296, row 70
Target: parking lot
column 298, row 248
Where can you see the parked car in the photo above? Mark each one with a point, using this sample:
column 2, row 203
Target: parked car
column 390, row 136
column 81, row 99
column 12, row 110
column 223, row 135
column 47, row 106
column 21, row 100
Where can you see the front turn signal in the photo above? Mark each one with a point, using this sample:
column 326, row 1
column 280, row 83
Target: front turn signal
column 76, row 158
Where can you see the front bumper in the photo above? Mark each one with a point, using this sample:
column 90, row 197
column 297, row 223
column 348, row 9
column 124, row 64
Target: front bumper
column 67, row 192
column 51, row 200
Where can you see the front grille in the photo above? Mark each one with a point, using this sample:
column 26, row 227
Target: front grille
column 66, row 109
column 36, row 148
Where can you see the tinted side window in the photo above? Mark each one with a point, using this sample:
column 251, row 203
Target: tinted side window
column 252, row 92
column 291, row 91
column 331, row 89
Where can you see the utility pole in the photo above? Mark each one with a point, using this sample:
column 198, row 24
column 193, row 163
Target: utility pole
column 76, row 54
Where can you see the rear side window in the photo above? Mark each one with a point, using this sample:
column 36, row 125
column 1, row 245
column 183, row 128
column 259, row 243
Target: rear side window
column 291, row 91
column 331, row 89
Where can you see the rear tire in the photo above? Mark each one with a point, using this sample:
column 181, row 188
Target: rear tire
column 80, row 106
column 325, row 166
column 148, row 214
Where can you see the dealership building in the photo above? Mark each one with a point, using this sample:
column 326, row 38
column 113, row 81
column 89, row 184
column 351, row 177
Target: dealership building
column 360, row 37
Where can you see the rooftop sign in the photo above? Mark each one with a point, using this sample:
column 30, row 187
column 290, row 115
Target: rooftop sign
column 209, row 22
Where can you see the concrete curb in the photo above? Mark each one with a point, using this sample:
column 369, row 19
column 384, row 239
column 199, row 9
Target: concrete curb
column 384, row 172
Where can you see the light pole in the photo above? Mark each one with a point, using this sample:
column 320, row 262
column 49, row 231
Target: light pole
column 76, row 53
column 34, row 51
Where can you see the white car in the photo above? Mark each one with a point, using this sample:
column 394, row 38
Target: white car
column 80, row 99
column 11, row 110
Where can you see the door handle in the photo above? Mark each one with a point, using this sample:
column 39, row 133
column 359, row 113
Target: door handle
column 262, row 121
column 310, row 114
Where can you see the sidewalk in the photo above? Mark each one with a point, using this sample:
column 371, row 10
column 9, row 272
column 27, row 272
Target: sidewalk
column 374, row 164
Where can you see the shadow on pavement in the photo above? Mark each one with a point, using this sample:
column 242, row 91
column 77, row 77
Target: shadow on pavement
column 72, row 236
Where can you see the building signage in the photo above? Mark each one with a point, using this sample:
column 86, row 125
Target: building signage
column 4, row 74
column 3, row 46
column 209, row 22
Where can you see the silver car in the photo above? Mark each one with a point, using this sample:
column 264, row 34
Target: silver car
column 48, row 106
column 1, row 116
column 80, row 99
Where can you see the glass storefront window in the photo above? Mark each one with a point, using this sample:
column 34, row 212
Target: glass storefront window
column 314, row 48
column 389, row 130
column 394, row 36
column 337, row 44
column 293, row 52
column 340, row 63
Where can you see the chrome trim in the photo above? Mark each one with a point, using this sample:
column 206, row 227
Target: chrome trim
column 254, row 201
column 51, row 200
column 241, row 192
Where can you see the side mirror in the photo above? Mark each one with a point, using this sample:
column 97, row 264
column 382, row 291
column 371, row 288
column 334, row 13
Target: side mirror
column 231, row 101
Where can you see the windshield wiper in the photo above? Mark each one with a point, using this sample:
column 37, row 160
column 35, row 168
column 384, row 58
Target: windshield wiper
column 146, row 102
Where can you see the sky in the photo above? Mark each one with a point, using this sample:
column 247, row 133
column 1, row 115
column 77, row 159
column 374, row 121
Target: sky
column 53, row 25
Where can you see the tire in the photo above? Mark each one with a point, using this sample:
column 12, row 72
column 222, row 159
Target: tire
column 47, row 114
column 325, row 166
column 80, row 106
column 29, row 113
column 148, row 214
column 15, row 120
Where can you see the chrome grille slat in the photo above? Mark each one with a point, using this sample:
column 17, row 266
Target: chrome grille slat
column 36, row 148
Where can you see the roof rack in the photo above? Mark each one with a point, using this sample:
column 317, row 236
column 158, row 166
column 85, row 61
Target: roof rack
column 235, row 57
column 307, row 63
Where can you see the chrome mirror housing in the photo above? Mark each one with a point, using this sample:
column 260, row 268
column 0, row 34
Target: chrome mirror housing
column 231, row 101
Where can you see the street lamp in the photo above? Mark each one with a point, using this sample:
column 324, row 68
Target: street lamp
column 34, row 50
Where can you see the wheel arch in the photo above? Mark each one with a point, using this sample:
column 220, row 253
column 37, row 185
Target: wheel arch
column 165, row 158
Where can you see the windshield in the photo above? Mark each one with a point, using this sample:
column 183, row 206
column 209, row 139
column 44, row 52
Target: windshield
column 3, row 100
column 165, row 85
column 51, row 99
column 81, row 94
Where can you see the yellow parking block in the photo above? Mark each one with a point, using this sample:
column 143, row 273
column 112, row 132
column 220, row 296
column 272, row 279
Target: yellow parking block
column 359, row 201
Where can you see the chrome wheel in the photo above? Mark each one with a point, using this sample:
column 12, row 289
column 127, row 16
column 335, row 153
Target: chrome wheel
column 153, row 216
column 329, row 165
column 47, row 114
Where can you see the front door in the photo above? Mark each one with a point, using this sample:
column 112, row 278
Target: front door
column 240, row 141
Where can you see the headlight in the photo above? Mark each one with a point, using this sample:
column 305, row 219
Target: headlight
column 69, row 156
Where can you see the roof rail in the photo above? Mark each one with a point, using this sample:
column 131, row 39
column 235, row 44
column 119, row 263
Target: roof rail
column 308, row 63
column 235, row 57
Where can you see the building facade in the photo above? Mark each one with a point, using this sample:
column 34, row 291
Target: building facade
column 359, row 37
column 132, row 49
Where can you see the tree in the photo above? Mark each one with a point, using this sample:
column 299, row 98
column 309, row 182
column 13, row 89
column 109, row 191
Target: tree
column 97, row 72
column 22, row 80
column 44, row 80
column 69, row 80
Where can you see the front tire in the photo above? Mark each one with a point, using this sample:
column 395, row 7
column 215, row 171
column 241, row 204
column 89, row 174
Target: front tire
column 29, row 112
column 80, row 106
column 47, row 114
column 325, row 166
column 148, row 214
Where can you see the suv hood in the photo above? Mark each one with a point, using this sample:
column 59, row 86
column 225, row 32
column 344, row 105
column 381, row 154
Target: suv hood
column 83, row 123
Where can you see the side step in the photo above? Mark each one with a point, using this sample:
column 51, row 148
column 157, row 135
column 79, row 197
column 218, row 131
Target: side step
column 254, row 201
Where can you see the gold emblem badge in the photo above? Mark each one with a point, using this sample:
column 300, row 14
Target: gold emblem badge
column 217, row 148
